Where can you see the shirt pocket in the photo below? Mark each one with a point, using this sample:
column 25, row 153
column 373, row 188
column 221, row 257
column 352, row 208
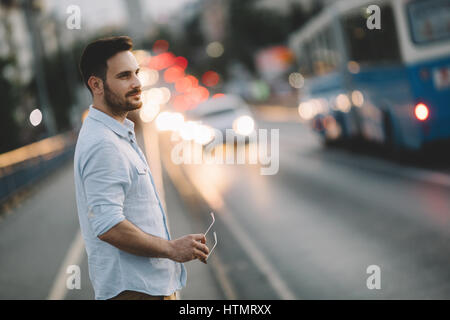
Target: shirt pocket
column 143, row 185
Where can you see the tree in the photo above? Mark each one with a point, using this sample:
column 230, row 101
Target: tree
column 9, row 129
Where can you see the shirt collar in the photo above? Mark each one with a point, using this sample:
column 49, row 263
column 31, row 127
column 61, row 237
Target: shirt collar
column 121, row 129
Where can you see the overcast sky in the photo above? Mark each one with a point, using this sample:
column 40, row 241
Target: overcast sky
column 99, row 13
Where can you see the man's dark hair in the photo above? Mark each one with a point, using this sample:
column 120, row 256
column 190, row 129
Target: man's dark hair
column 94, row 57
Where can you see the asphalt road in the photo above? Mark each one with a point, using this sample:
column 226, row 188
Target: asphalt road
column 312, row 230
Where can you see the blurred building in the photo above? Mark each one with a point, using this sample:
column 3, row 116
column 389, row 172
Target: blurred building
column 214, row 19
column 29, row 39
column 284, row 6
column 15, row 42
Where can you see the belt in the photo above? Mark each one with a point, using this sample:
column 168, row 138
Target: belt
column 135, row 295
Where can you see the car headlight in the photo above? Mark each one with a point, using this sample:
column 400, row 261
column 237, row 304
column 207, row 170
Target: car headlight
column 187, row 130
column 169, row 121
column 204, row 134
column 244, row 125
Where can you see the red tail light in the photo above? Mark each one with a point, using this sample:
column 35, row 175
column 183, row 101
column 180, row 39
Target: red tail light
column 421, row 112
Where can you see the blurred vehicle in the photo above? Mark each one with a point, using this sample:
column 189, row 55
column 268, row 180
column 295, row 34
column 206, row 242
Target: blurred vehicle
column 222, row 113
column 390, row 85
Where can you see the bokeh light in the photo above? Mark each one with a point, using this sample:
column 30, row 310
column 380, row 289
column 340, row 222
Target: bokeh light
column 142, row 56
column 181, row 62
column 169, row 121
column 296, row 80
column 166, row 94
column 244, row 125
column 357, row 98
column 148, row 77
column 214, row 49
column 35, row 117
column 421, row 112
column 353, row 67
column 173, row 73
column 343, row 103
column 199, row 94
column 203, row 134
column 160, row 46
column 183, row 84
column 153, row 96
column 210, row 78
column 162, row 61
column 187, row 130
column 180, row 103
column 149, row 111
column 194, row 80
column 306, row 110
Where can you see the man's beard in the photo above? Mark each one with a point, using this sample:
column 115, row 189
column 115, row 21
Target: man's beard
column 119, row 105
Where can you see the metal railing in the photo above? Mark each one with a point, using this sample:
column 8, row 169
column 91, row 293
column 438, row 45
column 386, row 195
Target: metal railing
column 24, row 166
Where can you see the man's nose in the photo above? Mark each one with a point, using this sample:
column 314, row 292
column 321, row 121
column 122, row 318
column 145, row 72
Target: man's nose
column 136, row 82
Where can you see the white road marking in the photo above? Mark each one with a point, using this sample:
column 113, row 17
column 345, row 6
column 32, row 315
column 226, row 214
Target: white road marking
column 260, row 261
column 73, row 257
column 184, row 188
column 220, row 272
column 250, row 248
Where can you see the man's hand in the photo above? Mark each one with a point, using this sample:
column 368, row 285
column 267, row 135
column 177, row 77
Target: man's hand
column 127, row 237
column 188, row 248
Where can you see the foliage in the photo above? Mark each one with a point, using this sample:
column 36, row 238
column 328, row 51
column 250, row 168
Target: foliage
column 9, row 129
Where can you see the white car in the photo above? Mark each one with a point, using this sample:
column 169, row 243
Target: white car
column 225, row 112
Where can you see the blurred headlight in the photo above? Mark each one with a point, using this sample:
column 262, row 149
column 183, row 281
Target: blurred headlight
column 244, row 125
column 200, row 133
column 343, row 103
column 203, row 134
column 169, row 121
column 187, row 130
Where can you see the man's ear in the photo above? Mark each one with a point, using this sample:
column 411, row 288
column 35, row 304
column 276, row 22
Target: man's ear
column 96, row 85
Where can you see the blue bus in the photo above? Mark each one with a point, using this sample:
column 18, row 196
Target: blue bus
column 389, row 84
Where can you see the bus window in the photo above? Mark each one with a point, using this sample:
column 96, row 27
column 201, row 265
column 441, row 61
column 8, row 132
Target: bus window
column 332, row 51
column 305, row 60
column 429, row 20
column 371, row 46
column 317, row 61
column 324, row 53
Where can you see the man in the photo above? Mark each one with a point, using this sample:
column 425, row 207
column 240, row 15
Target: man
column 130, row 252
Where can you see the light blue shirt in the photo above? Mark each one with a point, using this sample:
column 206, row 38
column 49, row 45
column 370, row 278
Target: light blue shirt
column 113, row 182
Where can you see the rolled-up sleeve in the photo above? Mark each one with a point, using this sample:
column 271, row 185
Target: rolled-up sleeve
column 106, row 178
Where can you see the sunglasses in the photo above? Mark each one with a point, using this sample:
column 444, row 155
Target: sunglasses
column 214, row 233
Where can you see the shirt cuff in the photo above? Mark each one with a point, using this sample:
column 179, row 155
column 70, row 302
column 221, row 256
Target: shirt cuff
column 104, row 217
